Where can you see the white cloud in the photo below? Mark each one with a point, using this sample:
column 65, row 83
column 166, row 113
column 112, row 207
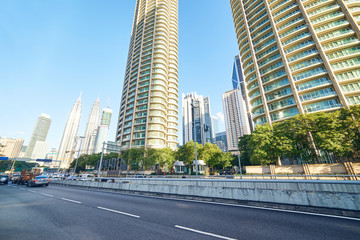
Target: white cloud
column 220, row 116
column 20, row 133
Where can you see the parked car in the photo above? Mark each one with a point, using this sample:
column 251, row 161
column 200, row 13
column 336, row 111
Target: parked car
column 39, row 181
column 85, row 177
column 15, row 179
column 73, row 177
column 4, row 179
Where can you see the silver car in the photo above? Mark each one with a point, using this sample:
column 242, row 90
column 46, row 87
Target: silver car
column 39, row 181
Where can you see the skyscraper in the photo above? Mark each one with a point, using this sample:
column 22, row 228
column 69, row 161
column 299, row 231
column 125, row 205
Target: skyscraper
column 149, row 105
column 196, row 107
column 39, row 133
column 236, row 121
column 103, row 130
column 238, row 83
column 298, row 56
column 66, row 149
column 91, row 128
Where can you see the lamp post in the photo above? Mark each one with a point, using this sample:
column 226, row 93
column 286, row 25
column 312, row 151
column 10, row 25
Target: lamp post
column 101, row 158
column 237, row 146
column 77, row 159
column 193, row 123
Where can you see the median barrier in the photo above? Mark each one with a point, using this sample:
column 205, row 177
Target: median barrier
column 312, row 193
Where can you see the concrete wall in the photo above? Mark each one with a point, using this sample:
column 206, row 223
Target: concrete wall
column 289, row 169
column 329, row 169
column 331, row 194
column 335, row 168
column 257, row 169
column 356, row 167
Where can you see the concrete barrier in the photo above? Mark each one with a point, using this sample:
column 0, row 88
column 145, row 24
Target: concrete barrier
column 328, row 194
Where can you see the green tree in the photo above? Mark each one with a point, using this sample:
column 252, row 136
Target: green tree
column 134, row 158
column 186, row 152
column 261, row 144
column 164, row 157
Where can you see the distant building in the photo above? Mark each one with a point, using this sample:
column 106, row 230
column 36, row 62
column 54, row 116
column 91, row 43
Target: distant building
column 236, row 121
column 91, row 128
column 40, row 150
column 39, row 133
column 221, row 141
column 196, row 107
column 66, row 149
column 10, row 147
column 215, row 124
column 103, row 130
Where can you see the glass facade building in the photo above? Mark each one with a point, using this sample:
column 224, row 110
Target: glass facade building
column 148, row 113
column 298, row 56
column 196, row 111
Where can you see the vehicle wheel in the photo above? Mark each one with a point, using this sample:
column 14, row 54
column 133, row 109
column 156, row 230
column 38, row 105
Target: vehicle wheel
column 46, row 184
column 6, row 182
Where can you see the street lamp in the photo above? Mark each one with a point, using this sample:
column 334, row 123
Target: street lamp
column 77, row 159
column 101, row 158
column 237, row 146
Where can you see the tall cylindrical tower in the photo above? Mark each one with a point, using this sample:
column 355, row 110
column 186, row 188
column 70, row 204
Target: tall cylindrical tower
column 298, row 56
column 149, row 105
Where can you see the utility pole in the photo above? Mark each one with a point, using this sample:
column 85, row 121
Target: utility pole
column 101, row 158
column 77, row 159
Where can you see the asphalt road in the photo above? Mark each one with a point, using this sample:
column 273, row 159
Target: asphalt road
column 56, row 212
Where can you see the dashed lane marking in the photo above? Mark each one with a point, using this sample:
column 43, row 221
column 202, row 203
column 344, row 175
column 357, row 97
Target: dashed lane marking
column 115, row 211
column 204, row 233
column 70, row 200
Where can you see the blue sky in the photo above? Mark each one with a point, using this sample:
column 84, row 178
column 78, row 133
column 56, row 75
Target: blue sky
column 52, row 50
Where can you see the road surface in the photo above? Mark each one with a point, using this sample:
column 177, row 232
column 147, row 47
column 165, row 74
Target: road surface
column 57, row 212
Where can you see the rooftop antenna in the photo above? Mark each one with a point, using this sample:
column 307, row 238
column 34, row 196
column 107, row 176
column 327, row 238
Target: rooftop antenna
column 108, row 105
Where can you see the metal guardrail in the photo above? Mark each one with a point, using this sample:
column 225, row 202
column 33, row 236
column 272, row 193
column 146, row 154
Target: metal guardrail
column 254, row 177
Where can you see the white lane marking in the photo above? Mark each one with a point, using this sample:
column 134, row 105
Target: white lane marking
column 48, row 195
column 22, row 188
column 205, row 233
column 115, row 211
column 69, row 200
column 31, row 191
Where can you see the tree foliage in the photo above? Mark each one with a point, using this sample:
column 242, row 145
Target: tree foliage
column 312, row 138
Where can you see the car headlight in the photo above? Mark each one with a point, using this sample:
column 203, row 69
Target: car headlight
column 3, row 179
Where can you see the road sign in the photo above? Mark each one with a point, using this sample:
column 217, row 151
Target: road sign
column 4, row 158
column 43, row 160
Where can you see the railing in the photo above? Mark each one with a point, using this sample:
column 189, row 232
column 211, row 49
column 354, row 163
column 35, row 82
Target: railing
column 228, row 177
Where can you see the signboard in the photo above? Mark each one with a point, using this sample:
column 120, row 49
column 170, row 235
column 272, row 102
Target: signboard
column 4, row 158
column 43, row 160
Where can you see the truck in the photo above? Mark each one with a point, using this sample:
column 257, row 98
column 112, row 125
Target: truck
column 27, row 175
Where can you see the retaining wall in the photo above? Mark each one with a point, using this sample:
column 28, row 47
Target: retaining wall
column 329, row 194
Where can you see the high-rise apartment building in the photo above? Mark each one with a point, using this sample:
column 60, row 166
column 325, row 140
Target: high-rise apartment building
column 10, row 147
column 196, row 108
column 149, row 107
column 91, row 129
column 236, row 121
column 39, row 133
column 103, row 130
column 298, row 56
column 66, row 149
